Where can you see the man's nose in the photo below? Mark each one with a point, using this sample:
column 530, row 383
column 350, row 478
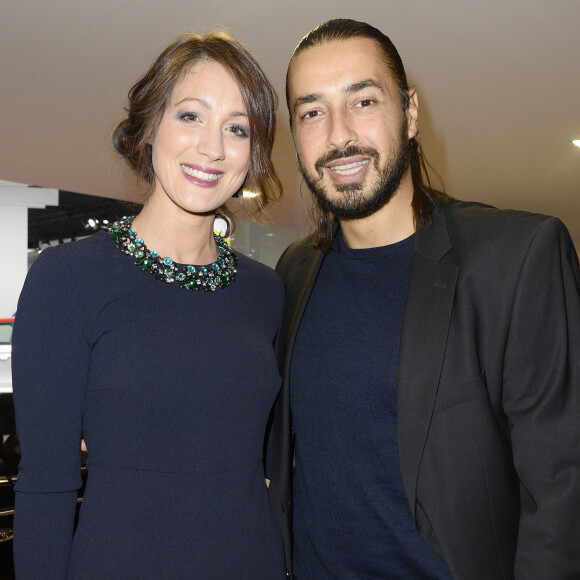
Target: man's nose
column 340, row 131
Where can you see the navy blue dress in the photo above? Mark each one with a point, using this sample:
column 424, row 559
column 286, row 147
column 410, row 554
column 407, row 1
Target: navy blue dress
column 171, row 390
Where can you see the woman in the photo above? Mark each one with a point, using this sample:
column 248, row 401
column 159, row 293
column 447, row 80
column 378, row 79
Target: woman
column 153, row 345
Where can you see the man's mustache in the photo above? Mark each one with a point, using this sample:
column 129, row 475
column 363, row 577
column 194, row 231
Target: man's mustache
column 349, row 151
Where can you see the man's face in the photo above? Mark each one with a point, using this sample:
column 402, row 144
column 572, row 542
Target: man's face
column 351, row 134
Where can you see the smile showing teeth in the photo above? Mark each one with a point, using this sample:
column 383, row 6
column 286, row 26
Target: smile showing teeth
column 349, row 168
column 201, row 174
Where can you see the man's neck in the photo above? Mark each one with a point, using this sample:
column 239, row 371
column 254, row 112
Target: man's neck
column 390, row 224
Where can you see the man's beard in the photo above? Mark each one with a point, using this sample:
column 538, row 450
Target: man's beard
column 354, row 204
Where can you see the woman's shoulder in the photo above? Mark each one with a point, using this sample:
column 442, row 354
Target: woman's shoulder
column 85, row 248
column 259, row 273
column 69, row 262
column 255, row 267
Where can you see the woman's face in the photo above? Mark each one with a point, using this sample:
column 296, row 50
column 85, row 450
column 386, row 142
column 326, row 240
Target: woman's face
column 201, row 151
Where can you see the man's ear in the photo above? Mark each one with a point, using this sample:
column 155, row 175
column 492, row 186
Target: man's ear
column 412, row 113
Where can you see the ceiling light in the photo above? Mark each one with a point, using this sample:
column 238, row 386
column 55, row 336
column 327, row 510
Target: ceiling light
column 576, row 142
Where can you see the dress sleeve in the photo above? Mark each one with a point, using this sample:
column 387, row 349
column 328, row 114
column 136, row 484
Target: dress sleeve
column 50, row 364
column 542, row 401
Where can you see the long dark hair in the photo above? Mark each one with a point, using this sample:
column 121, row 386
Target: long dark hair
column 426, row 199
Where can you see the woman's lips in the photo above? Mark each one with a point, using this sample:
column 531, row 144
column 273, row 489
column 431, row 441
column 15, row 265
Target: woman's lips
column 202, row 176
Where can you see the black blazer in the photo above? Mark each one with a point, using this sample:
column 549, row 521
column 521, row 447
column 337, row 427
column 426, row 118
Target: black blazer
column 488, row 392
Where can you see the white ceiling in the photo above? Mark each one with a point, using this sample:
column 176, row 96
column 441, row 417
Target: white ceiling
column 499, row 87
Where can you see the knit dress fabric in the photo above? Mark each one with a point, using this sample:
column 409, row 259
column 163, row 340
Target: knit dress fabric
column 171, row 390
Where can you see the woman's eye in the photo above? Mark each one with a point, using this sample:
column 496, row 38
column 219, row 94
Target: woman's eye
column 238, row 131
column 190, row 117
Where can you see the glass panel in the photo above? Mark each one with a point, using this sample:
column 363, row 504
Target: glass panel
column 5, row 332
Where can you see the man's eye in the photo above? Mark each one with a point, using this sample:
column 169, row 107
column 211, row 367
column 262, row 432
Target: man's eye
column 311, row 114
column 365, row 103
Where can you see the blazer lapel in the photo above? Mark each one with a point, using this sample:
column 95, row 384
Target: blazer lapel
column 423, row 342
column 305, row 272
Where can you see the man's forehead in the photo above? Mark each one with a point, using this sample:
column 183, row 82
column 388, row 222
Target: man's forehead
column 337, row 64
column 357, row 47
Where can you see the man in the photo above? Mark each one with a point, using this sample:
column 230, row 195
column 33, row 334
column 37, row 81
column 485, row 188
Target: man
column 430, row 350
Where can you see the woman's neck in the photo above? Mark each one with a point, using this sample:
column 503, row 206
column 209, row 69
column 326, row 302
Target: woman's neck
column 186, row 238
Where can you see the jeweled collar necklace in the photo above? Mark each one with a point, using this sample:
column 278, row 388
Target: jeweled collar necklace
column 218, row 274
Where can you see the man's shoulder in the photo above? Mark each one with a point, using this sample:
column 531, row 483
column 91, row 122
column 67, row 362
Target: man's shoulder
column 297, row 252
column 474, row 212
column 476, row 229
column 469, row 220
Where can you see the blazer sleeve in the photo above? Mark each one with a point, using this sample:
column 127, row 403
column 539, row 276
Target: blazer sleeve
column 50, row 365
column 541, row 398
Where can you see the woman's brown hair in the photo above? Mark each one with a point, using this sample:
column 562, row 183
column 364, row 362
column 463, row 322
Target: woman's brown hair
column 150, row 95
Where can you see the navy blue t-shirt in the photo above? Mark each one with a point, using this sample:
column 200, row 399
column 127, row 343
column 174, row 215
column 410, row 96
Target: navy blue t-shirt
column 351, row 516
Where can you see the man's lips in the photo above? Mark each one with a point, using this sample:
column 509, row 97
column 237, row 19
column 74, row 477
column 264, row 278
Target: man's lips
column 348, row 168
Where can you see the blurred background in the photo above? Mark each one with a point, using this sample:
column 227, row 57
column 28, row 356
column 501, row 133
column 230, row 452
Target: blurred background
column 498, row 82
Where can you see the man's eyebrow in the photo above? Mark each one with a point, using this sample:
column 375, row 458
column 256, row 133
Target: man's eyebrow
column 305, row 100
column 352, row 88
column 355, row 87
